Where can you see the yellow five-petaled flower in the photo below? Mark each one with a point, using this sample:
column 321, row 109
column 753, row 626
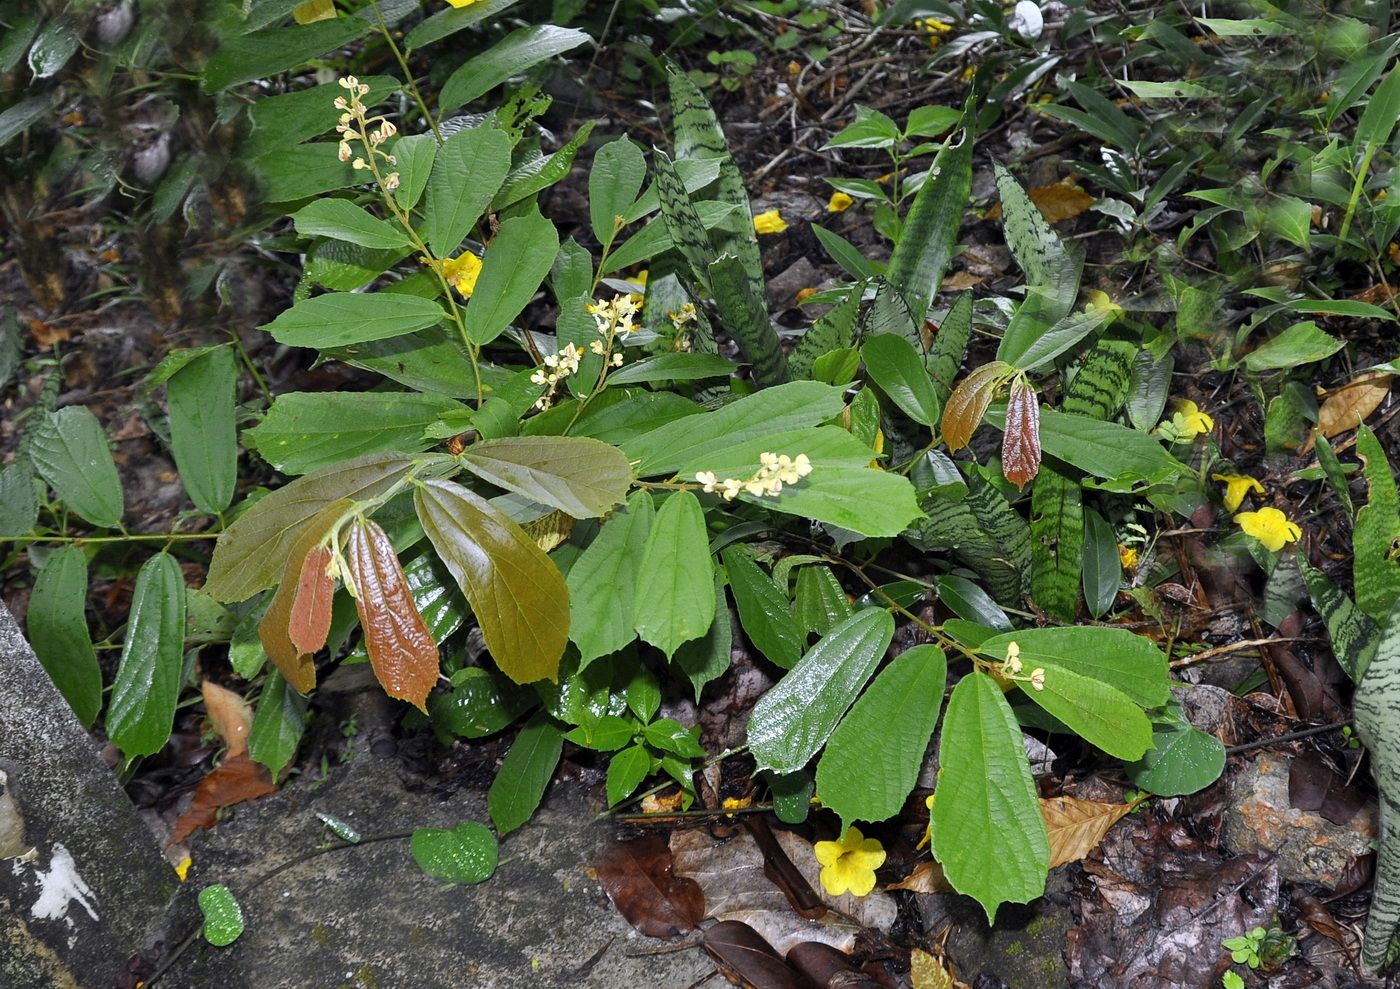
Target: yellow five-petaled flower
column 1236, row 487
column 461, row 272
column 1270, row 526
column 1189, row 421
column 848, row 865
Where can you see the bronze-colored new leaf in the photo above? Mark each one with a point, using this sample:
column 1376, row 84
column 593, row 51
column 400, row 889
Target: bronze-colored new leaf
column 1020, row 444
column 516, row 592
column 275, row 629
column 968, row 403
column 310, row 622
column 1077, row 826
column 400, row 647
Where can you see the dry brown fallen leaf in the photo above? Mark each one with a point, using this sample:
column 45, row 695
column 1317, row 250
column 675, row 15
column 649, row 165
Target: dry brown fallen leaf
column 231, row 716
column 1077, row 826
column 961, row 281
column 1063, row 200
column 641, row 879
column 731, row 875
column 927, row 972
column 234, row 782
column 1350, row 404
column 927, row 877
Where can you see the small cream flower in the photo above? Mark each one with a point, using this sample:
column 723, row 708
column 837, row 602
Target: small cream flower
column 1038, row 678
column 1013, row 658
column 1270, row 526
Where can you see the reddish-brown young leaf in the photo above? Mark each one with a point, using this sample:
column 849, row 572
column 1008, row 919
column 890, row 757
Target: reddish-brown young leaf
column 639, row 876
column 400, row 647
column 1020, row 444
column 310, row 622
column 745, row 956
column 234, row 782
column 275, row 629
column 968, row 403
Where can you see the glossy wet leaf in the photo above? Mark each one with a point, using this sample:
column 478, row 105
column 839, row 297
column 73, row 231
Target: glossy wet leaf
column 1020, row 443
column 528, row 767
column 574, row 474
column 516, row 592
column 223, row 917
column 69, row 450
column 202, row 427
column 791, row 722
column 985, row 793
column 626, row 771
column 603, row 581
column 141, row 711
column 1098, row 713
column 479, row 702
column 872, row 760
column 639, row 877
column 275, row 628
column 57, row 628
column 1129, row 662
column 893, row 364
column 1184, row 760
column 401, row 648
column 466, row 854
column 278, row 724
column 764, row 611
column 673, row 603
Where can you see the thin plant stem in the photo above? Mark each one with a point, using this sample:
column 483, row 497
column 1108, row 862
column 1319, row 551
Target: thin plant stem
column 407, row 73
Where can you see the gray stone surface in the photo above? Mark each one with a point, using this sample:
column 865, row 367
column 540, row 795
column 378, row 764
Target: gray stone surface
column 365, row 917
column 83, row 885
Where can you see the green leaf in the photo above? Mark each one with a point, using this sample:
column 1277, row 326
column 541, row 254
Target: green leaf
column 515, row 590
column 1381, row 113
column 69, row 450
column 512, row 271
column 1057, row 532
column 970, row 603
column 251, row 553
column 655, row 237
column 342, row 267
column 1103, row 568
column 278, row 725
column 541, row 172
column 1104, row 449
column 619, row 168
column 516, row 53
column 820, row 601
column 1043, row 349
column 833, row 331
column 343, row 318
column 524, row 774
column 261, row 54
column 707, row 658
column 673, row 367
column 17, row 118
column 873, row 758
column 844, row 253
column 626, row 770
column 306, row 431
column 763, row 610
column 607, row 733
column 1184, row 760
column 343, row 220
column 203, row 433
column 466, row 854
column 1301, row 343
column 450, row 20
column 1375, row 565
column 1354, row 634
column 468, row 170
column 1100, row 714
column 574, row 474
column 673, row 603
column 894, row 365
column 57, row 627
column 481, row 702
column 683, row 222
column 19, row 505
column 223, row 917
column 870, row 129
column 930, row 231
column 791, row 722
column 429, row 360
column 861, row 499
column 949, row 346
column 789, row 406
column 1115, row 656
column 299, row 172
column 142, row 708
column 931, row 121
column 603, row 581
column 986, row 794
column 416, row 155
column 286, row 120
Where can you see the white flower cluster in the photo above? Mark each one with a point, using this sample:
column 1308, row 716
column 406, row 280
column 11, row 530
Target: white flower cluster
column 556, row 368
column 614, row 317
column 775, row 471
column 354, row 125
column 1013, row 667
column 684, row 320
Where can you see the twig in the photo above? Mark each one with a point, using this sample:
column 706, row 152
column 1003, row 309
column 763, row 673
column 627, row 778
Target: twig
column 1291, row 736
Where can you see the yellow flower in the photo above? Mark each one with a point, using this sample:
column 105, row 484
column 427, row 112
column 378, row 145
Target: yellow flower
column 1128, row 557
column 1270, row 526
column 849, row 865
column 771, row 222
column 459, row 4
column 1187, row 422
column 461, row 272
column 1236, row 487
column 839, row 202
column 182, row 868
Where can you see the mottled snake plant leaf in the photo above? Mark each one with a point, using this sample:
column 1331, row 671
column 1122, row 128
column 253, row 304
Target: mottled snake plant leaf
column 1376, row 535
column 930, row 231
column 1354, row 634
column 945, row 354
column 835, row 330
column 682, row 221
column 746, row 317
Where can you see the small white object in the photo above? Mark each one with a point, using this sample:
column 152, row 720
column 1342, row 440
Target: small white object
column 1027, row 20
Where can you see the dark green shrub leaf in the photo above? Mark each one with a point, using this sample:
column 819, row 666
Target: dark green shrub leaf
column 514, row 267
column 1354, row 634
column 894, row 365
column 820, row 600
column 142, row 708
column 673, row 603
column 203, row 434
column 619, row 169
column 1103, row 569
column 673, row 367
column 1100, row 714
column 985, row 792
column 706, row 658
column 467, row 171
column 69, row 450
column 278, row 724
column 1057, row 533
column 945, row 354
column 343, row 318
column 764, row 612
column 517, row 52
column 930, row 230
column 57, row 627
column 520, row 784
column 450, row 20
column 480, row 702
column 518, row 595
column 1129, row 662
column 465, row 854
column 603, row 581
column 274, row 50
column 793, row 721
column 19, row 505
column 872, row 760
column 343, row 220
column 541, row 172
column 1375, row 564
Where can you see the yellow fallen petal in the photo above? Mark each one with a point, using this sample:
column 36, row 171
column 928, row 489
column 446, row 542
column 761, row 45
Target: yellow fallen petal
column 770, row 222
column 839, row 202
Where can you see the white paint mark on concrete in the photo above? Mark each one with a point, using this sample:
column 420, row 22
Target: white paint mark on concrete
column 59, row 887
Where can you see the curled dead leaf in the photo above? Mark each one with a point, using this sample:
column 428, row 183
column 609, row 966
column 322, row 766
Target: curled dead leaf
column 968, row 403
column 231, row 716
column 640, row 878
column 1062, row 200
column 928, row 972
column 1077, row 826
column 234, row 782
column 1351, row 404
column 927, row 877
column 400, row 646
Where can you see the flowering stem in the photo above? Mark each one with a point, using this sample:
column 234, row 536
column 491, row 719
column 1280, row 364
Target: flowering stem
column 407, row 73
